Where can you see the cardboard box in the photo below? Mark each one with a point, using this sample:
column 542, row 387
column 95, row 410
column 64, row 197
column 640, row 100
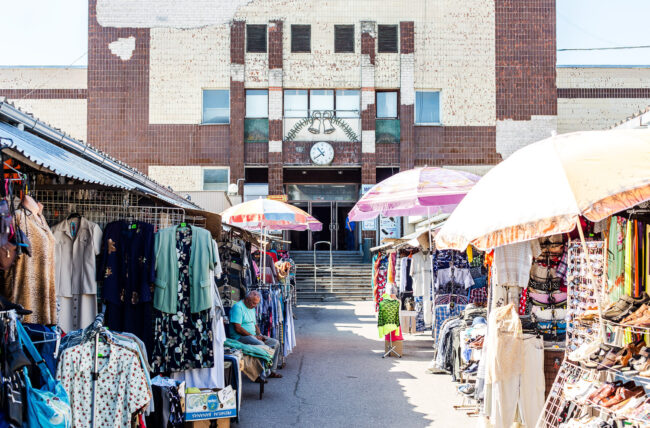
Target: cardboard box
column 398, row 347
column 221, row 423
column 211, row 404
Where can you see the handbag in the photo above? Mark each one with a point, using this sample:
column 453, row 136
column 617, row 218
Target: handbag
column 50, row 405
column 7, row 255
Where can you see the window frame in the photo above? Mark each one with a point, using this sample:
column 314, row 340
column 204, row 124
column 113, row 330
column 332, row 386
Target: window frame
column 206, row 168
column 346, row 27
column 203, row 90
column 266, row 39
column 415, row 109
column 303, row 26
column 324, row 89
column 397, row 39
column 246, row 116
column 377, row 92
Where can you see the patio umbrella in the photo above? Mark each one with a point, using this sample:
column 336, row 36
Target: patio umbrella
column 419, row 191
column 267, row 214
column 543, row 188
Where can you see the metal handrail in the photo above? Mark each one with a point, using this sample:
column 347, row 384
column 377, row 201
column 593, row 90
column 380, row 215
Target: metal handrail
column 330, row 268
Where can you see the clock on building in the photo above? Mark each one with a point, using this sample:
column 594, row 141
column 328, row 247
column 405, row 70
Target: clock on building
column 322, row 153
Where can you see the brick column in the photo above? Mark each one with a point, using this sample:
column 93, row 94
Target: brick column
column 407, row 96
column 237, row 102
column 275, row 108
column 368, row 107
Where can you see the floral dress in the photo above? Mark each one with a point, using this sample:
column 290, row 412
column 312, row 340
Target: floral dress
column 184, row 340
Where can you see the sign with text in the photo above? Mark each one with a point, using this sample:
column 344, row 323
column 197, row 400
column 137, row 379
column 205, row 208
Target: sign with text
column 368, row 224
column 281, row 198
column 389, row 227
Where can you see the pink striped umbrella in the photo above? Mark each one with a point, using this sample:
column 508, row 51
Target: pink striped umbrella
column 267, row 214
column 419, row 191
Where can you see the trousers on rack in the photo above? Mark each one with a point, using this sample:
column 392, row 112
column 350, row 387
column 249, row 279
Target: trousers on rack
column 524, row 392
column 408, row 323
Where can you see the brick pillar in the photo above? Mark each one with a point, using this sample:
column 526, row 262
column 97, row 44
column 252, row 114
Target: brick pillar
column 237, row 102
column 368, row 108
column 276, row 181
column 407, row 96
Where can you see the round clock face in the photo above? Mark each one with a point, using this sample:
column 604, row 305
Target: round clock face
column 322, row 153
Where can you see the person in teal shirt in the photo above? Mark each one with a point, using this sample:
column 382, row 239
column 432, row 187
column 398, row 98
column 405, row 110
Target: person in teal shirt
column 244, row 328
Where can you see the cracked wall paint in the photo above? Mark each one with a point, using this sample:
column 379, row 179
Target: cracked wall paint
column 454, row 51
column 123, row 47
column 166, row 13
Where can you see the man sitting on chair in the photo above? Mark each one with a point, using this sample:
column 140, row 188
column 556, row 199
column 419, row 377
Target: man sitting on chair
column 243, row 327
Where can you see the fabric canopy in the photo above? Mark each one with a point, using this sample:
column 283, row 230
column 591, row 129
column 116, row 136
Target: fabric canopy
column 543, row 188
column 419, row 191
column 269, row 214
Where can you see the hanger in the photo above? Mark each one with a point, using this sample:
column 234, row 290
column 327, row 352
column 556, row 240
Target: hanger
column 73, row 215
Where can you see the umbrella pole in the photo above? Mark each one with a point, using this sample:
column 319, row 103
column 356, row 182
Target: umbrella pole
column 593, row 279
column 263, row 257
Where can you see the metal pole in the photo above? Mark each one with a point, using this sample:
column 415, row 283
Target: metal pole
column 331, row 271
column 315, row 268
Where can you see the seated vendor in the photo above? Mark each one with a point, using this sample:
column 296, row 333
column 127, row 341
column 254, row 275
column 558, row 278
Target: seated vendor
column 243, row 327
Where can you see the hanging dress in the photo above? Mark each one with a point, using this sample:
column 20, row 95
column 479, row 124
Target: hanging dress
column 185, row 339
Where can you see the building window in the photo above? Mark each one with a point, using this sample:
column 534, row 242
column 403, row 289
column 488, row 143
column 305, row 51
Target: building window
column 343, row 38
column 301, row 38
column 427, row 107
column 348, row 102
column 257, row 103
column 216, row 106
column 296, row 103
column 256, row 38
column 320, row 100
column 387, row 105
column 215, row 179
column 387, row 40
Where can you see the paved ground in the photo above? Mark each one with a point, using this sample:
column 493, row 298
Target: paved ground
column 337, row 378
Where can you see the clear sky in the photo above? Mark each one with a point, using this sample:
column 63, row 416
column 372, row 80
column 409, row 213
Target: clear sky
column 54, row 32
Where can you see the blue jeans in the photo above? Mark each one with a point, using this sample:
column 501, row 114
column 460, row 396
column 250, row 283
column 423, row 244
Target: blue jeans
column 268, row 341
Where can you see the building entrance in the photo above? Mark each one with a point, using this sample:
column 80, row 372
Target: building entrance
column 333, row 214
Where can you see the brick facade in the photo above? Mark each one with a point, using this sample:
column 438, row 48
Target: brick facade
column 118, row 108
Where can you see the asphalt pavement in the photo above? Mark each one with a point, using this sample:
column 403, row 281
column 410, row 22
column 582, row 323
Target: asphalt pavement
column 336, row 377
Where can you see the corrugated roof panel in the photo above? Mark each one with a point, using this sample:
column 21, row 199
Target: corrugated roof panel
column 60, row 161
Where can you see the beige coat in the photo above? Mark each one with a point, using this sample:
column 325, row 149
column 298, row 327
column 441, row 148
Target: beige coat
column 32, row 280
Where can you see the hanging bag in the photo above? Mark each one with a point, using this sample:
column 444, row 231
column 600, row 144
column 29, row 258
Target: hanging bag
column 50, row 405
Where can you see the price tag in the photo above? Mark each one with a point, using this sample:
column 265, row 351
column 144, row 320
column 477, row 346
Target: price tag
column 227, row 394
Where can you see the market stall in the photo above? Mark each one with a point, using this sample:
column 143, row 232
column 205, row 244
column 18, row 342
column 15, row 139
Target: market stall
column 550, row 250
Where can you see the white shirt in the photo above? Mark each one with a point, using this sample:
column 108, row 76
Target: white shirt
column 512, row 263
column 421, row 273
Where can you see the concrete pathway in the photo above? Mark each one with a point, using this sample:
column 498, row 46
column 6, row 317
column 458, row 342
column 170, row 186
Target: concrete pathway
column 337, row 378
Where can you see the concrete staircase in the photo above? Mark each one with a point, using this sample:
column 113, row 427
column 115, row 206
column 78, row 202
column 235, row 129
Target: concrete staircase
column 352, row 278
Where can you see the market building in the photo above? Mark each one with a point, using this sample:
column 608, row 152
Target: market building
column 281, row 99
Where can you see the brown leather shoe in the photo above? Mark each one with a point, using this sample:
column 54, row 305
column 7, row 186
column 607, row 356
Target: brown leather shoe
column 636, row 314
column 622, row 394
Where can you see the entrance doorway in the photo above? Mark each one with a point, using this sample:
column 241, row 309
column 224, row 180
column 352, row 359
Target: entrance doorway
column 336, row 230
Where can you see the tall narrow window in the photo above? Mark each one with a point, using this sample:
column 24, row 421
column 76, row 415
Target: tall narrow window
column 255, row 38
column 321, row 100
column 296, row 103
column 343, row 38
column 387, row 105
column 216, row 106
column 257, row 103
column 348, row 102
column 301, row 38
column 387, row 40
column 427, row 107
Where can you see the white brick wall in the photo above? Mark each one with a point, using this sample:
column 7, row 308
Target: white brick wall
column 182, row 63
column 178, row 177
column 587, row 114
column 511, row 135
column 454, row 51
column 603, row 77
column 43, row 78
column 69, row 115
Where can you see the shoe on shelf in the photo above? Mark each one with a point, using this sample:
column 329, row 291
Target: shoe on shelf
column 597, row 357
column 611, row 358
column 636, row 314
column 622, row 394
column 584, row 351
